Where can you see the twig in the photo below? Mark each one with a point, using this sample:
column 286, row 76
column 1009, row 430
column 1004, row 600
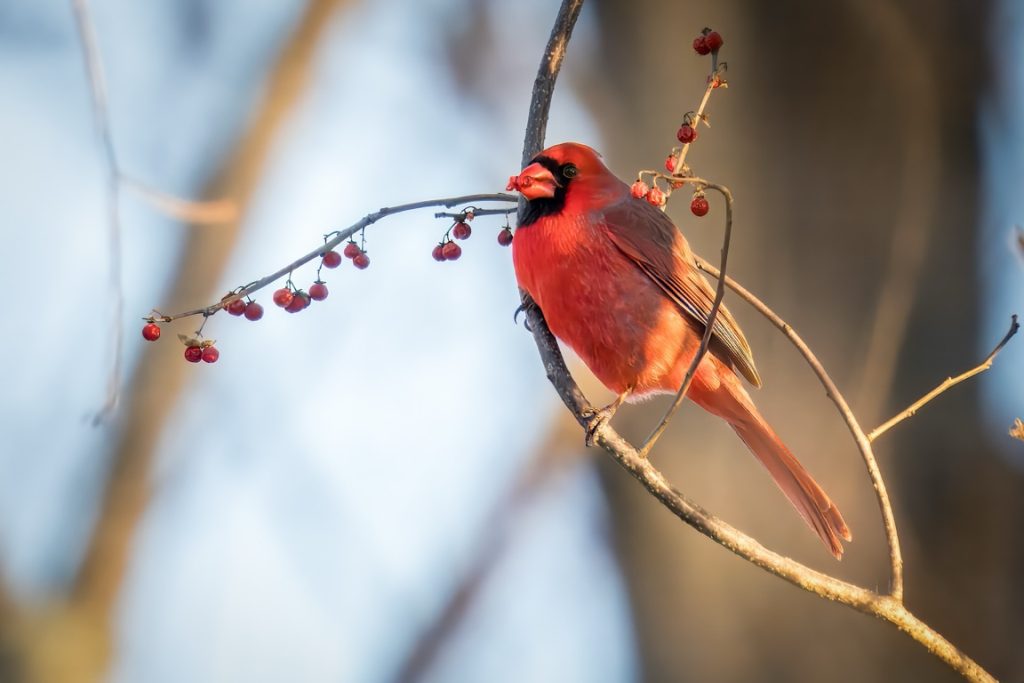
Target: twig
column 681, row 160
column 946, row 384
column 339, row 237
column 861, row 439
column 705, row 341
column 476, row 212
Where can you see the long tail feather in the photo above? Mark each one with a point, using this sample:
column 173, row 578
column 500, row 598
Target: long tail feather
column 730, row 401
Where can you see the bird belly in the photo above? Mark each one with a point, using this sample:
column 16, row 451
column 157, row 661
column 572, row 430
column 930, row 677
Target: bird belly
column 609, row 312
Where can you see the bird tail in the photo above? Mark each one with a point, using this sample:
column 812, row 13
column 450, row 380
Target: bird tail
column 731, row 402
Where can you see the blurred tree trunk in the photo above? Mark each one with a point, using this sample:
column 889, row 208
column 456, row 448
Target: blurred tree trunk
column 847, row 137
column 70, row 640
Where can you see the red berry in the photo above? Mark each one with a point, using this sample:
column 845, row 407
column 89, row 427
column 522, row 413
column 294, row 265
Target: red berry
column 361, row 261
column 283, row 297
column 713, row 41
column 461, row 231
column 318, row 291
column 193, row 354
column 332, row 259
column 700, row 45
column 670, row 163
column 505, row 237
column 686, row 133
column 352, row 250
column 210, row 354
column 639, row 189
column 236, row 307
column 151, row 332
column 699, row 205
column 253, row 311
column 438, row 253
column 451, row 251
column 656, row 196
column 299, row 302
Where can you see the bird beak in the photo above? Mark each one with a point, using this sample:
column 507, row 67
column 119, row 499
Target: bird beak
column 534, row 182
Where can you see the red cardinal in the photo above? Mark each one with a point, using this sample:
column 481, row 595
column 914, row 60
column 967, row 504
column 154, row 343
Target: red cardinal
column 616, row 281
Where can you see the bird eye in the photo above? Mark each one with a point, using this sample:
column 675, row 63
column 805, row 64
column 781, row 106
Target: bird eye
column 569, row 171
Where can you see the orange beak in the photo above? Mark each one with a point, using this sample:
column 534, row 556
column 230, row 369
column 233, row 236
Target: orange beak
column 534, row 182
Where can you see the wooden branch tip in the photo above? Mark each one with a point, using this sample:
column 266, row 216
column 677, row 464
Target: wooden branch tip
column 946, row 384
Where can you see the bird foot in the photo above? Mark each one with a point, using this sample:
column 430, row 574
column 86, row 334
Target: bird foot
column 595, row 420
column 599, row 418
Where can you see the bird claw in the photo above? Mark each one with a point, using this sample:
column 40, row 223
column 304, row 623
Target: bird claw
column 595, row 420
column 523, row 308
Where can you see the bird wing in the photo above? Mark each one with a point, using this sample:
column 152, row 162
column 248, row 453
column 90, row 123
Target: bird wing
column 648, row 237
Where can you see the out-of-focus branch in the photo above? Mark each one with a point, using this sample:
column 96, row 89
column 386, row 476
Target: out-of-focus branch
column 182, row 209
column 947, row 383
column 195, row 212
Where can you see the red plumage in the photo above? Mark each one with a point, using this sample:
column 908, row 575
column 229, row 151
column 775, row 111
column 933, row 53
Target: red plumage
column 616, row 282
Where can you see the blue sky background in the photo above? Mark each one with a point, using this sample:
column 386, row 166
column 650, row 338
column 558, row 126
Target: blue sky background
column 296, row 532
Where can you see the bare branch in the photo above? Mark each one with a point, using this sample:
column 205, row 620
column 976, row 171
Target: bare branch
column 946, row 384
column 339, row 237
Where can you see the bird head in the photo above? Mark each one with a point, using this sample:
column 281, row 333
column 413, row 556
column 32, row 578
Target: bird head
column 549, row 174
column 568, row 177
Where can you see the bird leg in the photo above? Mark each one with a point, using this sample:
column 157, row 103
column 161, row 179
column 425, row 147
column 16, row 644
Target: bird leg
column 599, row 418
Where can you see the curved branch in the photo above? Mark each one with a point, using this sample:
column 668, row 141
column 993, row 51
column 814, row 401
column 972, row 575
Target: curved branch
column 863, row 443
column 889, row 607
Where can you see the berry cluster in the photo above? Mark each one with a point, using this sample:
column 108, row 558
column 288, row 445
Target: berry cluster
column 677, row 173
column 292, row 299
column 707, row 42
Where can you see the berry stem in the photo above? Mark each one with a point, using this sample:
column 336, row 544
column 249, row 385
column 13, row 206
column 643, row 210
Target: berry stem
column 681, row 161
column 339, row 237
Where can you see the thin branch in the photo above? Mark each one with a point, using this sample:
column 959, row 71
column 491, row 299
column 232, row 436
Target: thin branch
column 476, row 212
column 863, row 443
column 946, row 384
column 339, row 237
column 705, row 341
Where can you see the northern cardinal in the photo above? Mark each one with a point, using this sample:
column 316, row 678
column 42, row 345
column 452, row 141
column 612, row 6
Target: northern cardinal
column 616, row 281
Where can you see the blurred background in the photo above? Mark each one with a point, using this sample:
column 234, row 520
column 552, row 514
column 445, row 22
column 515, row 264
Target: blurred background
column 384, row 487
